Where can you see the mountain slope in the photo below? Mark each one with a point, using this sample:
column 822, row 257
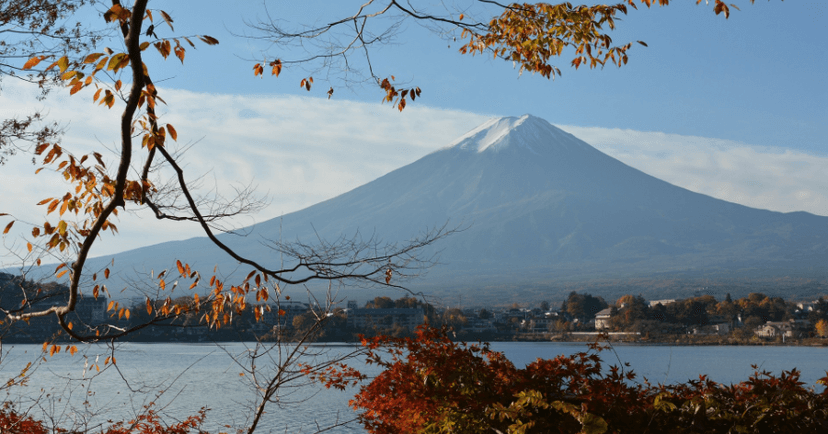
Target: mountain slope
column 536, row 203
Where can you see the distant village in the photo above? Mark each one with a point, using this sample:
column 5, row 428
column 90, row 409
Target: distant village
column 756, row 318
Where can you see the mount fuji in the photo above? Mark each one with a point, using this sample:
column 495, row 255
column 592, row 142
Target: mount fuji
column 537, row 205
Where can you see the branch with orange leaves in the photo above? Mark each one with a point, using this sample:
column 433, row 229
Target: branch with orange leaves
column 527, row 34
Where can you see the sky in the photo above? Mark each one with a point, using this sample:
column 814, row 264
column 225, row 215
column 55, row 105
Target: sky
column 734, row 108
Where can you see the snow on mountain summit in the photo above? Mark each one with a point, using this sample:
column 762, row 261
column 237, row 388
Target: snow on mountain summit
column 497, row 134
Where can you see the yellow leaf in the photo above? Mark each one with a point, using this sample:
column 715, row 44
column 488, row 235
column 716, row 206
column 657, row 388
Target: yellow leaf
column 114, row 61
column 63, row 64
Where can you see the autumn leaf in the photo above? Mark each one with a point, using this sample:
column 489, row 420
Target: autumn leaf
column 31, row 63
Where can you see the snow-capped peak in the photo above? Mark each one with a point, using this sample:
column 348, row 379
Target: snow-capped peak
column 500, row 133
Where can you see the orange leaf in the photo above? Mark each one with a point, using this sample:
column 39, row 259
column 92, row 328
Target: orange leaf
column 277, row 67
column 8, row 227
column 31, row 63
column 92, row 57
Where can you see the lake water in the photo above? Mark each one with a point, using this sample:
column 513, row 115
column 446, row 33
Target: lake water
column 205, row 375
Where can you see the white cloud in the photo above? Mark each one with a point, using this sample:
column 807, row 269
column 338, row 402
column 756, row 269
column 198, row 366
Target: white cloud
column 305, row 150
column 761, row 177
column 299, row 151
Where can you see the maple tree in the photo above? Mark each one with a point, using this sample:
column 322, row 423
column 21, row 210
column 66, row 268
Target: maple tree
column 148, row 422
column 430, row 384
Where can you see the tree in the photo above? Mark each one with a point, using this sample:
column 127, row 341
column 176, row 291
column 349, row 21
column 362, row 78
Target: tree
column 821, row 328
column 36, row 28
column 97, row 193
column 583, row 306
column 430, row 384
column 525, row 34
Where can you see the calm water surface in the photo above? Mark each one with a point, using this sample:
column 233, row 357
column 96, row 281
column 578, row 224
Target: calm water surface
column 204, row 375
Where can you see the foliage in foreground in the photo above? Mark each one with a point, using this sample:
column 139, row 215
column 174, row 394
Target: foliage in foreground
column 433, row 385
column 149, row 422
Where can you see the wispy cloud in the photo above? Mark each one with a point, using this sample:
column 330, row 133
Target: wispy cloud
column 761, row 177
column 304, row 150
column 297, row 151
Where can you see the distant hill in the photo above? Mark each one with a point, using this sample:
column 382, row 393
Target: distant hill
column 541, row 209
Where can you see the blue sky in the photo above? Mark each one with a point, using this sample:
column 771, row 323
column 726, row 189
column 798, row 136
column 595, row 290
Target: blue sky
column 731, row 108
column 757, row 77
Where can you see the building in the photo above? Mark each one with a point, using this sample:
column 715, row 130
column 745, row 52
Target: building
column 720, row 329
column 786, row 329
column 602, row 319
column 408, row 318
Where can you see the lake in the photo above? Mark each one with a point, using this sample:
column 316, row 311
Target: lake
column 206, row 375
